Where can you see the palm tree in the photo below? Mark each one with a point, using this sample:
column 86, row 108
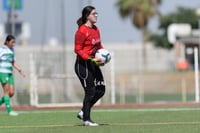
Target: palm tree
column 140, row 11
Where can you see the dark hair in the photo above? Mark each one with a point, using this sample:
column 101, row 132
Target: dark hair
column 85, row 13
column 9, row 37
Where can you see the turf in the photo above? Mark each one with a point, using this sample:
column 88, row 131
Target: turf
column 155, row 120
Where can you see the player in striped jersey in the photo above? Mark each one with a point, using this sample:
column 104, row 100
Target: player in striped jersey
column 7, row 62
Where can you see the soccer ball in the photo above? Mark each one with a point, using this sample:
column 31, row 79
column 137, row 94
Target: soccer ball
column 103, row 55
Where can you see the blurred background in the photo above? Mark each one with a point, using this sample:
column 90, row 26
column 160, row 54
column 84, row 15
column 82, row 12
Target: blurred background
column 154, row 46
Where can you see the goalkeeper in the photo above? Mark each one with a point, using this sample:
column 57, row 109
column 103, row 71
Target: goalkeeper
column 87, row 42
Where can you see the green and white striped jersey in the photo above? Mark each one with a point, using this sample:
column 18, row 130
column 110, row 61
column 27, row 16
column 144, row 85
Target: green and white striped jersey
column 6, row 59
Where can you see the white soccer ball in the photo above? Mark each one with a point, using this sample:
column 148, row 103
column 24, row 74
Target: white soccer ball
column 103, row 55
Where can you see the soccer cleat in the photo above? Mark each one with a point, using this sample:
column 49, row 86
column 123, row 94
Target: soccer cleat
column 13, row 113
column 90, row 123
column 80, row 115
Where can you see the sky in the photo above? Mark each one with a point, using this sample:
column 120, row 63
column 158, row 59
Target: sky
column 49, row 20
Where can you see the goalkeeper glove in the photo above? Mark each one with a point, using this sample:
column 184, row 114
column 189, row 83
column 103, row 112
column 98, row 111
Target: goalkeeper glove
column 96, row 61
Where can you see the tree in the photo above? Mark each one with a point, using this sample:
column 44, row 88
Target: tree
column 182, row 15
column 140, row 11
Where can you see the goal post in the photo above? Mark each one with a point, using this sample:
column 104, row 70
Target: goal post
column 62, row 90
column 39, row 82
column 196, row 75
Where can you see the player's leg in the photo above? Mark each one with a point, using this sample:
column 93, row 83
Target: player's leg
column 6, row 98
column 7, row 82
column 99, row 86
column 8, row 93
column 84, row 71
column 1, row 101
column 79, row 67
column 99, row 92
column 3, row 81
column 89, row 90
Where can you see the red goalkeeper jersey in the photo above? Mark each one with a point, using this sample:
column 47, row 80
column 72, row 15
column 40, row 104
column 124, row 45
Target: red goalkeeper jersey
column 87, row 41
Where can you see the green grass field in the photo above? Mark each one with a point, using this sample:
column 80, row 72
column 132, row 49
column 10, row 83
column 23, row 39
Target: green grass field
column 147, row 120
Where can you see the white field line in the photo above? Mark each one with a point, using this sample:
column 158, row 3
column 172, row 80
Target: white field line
column 110, row 124
column 116, row 110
